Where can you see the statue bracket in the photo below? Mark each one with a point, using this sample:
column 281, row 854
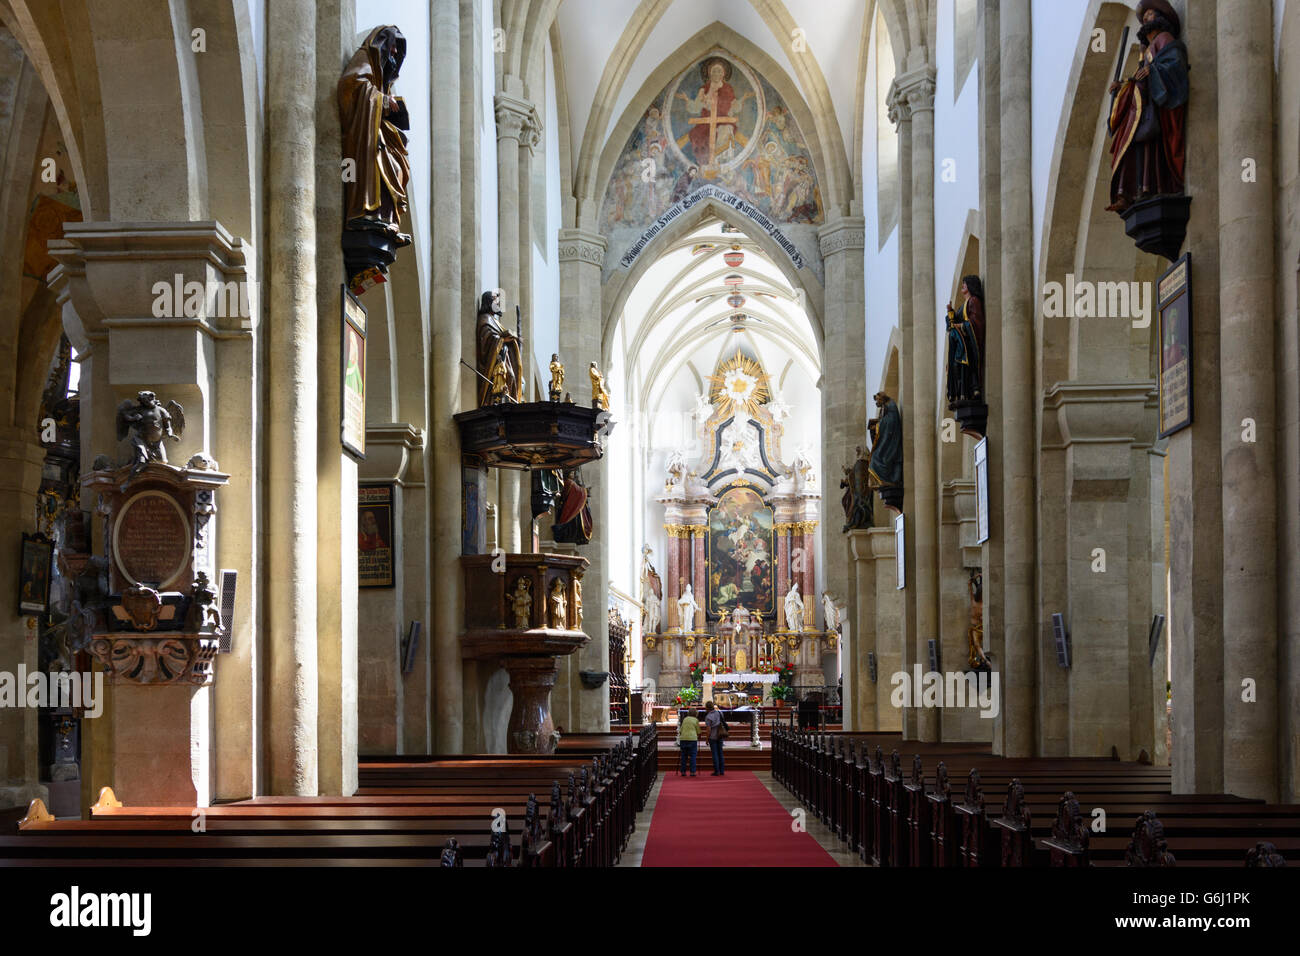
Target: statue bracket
column 1158, row 224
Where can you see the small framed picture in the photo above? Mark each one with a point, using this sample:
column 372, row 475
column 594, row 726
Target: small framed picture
column 900, row 552
column 1174, row 299
column 354, row 376
column 982, row 490
column 375, row 544
column 34, row 574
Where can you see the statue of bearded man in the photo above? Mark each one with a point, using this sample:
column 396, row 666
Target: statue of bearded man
column 373, row 119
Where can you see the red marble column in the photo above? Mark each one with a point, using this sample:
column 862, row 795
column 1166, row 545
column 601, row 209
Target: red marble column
column 672, row 593
column 808, row 587
column 782, row 569
column 701, row 569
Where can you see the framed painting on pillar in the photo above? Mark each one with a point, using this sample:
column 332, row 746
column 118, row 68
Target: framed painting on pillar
column 900, row 552
column 353, row 365
column 375, row 544
column 982, row 490
column 34, row 574
column 1174, row 300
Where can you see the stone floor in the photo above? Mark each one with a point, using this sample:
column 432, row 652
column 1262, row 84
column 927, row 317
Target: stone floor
column 819, row 831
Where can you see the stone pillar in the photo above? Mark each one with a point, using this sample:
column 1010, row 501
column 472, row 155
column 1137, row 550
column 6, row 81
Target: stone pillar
column 516, row 125
column 20, row 476
column 922, row 502
column 582, row 254
column 843, row 385
column 291, row 724
column 1246, row 335
column 447, row 320
column 1196, row 502
column 1016, row 425
column 864, row 635
column 891, row 652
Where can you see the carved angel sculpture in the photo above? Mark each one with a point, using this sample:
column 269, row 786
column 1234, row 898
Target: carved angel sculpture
column 147, row 423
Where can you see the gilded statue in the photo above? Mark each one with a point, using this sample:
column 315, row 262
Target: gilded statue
column 559, row 605
column 577, row 602
column 522, row 604
column 599, row 394
column 498, row 355
column 557, row 377
column 374, row 197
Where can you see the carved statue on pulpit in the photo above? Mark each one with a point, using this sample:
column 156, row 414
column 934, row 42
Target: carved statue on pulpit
column 687, row 608
column 558, row 606
column 965, row 327
column 498, row 355
column 976, row 659
column 1148, row 114
column 858, row 495
column 521, row 602
column 573, row 521
column 556, row 388
column 599, row 392
column 794, row 608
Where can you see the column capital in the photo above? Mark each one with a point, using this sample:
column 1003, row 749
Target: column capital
column 911, row 92
column 848, row 233
column 582, row 245
column 517, row 119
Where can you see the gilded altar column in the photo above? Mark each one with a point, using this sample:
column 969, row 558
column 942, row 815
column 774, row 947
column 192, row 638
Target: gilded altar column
column 782, row 570
column 1247, row 388
column 701, row 574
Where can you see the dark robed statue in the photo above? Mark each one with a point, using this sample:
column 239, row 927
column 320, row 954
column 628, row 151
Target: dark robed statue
column 965, row 327
column 857, row 494
column 498, row 355
column 1148, row 117
column 374, row 197
column 886, row 467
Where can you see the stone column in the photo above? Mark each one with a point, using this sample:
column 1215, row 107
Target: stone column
column 922, row 502
column 1246, row 335
column 516, row 122
column 447, row 318
column 1016, row 426
column 864, row 634
column 891, row 653
column 20, row 476
column 292, row 376
column 582, row 254
column 843, row 385
column 1196, row 502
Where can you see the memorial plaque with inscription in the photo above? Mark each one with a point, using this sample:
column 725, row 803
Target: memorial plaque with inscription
column 151, row 540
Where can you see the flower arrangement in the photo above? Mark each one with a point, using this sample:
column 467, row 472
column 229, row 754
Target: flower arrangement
column 697, row 669
column 783, row 692
column 763, row 665
column 687, row 695
column 785, row 671
column 755, row 699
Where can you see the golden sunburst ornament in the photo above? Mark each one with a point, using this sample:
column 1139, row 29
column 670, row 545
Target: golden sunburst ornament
column 740, row 383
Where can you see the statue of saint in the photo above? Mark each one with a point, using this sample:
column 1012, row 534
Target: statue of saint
column 966, row 344
column 1148, row 115
column 686, row 608
column 794, row 608
column 651, row 594
column 573, row 521
column 558, row 606
column 577, row 602
column 147, row 423
column 886, row 467
column 830, row 612
column 374, row 198
column 521, row 602
column 498, row 355
column 857, row 498
column 557, row 377
column 599, row 394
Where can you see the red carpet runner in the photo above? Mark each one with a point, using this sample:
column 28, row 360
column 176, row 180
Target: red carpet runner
column 732, row 820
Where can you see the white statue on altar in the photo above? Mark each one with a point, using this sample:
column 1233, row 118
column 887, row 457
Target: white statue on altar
column 703, row 409
column 739, row 445
column 832, row 615
column 651, row 593
column 676, row 471
column 686, row 608
column 794, row 608
column 652, row 613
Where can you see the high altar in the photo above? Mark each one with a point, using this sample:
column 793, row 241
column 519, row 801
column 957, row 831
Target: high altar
column 740, row 585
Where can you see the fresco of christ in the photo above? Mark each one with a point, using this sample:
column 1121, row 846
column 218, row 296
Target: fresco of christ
column 716, row 125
